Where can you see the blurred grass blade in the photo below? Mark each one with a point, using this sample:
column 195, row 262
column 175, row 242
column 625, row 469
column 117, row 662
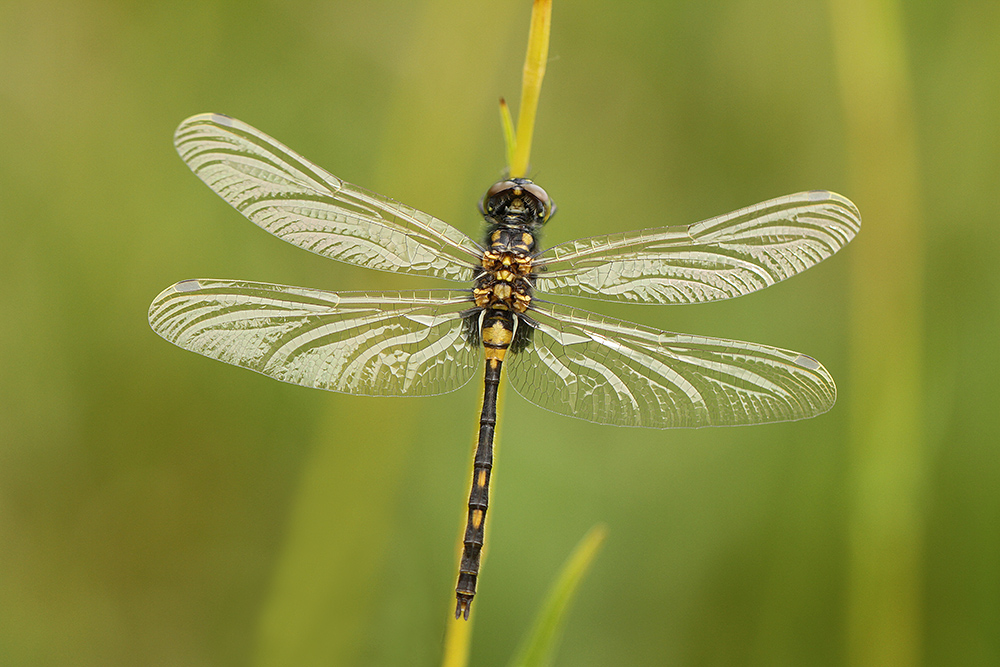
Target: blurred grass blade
column 886, row 595
column 457, row 640
column 531, row 84
column 509, row 138
column 537, row 648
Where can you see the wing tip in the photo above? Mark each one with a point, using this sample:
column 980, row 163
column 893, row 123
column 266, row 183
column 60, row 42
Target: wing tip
column 826, row 388
column 182, row 287
column 851, row 213
column 190, row 285
column 211, row 118
column 803, row 360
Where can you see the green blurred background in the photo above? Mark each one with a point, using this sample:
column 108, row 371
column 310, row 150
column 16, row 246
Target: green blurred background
column 158, row 508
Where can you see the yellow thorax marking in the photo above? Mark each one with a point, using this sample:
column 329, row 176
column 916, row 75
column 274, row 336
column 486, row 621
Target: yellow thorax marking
column 496, row 334
column 502, row 291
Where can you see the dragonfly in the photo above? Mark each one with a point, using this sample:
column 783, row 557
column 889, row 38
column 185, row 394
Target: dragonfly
column 561, row 358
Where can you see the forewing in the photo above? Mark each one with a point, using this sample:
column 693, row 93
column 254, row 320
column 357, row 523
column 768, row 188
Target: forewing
column 719, row 258
column 298, row 202
column 613, row 372
column 389, row 344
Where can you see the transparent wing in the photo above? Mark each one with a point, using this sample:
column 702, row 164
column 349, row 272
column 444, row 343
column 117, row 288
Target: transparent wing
column 719, row 258
column 298, row 202
column 613, row 372
column 389, row 344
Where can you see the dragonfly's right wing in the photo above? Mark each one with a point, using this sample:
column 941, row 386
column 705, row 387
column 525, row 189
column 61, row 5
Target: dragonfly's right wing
column 719, row 258
column 388, row 344
column 608, row 371
column 288, row 196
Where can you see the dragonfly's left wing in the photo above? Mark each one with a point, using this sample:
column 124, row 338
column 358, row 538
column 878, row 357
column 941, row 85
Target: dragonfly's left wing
column 290, row 197
column 612, row 372
column 387, row 344
column 719, row 258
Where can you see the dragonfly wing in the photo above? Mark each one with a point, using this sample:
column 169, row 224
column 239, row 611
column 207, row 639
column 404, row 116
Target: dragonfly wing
column 719, row 258
column 613, row 372
column 388, row 344
column 298, row 202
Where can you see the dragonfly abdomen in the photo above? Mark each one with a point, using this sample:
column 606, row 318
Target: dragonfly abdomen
column 497, row 333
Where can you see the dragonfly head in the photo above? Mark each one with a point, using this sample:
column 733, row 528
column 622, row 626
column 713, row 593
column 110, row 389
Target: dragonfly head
column 517, row 198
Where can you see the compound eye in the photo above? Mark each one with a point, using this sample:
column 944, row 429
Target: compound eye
column 495, row 189
column 542, row 196
column 499, row 187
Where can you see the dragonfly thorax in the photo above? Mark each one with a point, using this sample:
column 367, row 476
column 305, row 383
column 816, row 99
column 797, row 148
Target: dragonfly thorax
column 515, row 209
column 505, row 282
